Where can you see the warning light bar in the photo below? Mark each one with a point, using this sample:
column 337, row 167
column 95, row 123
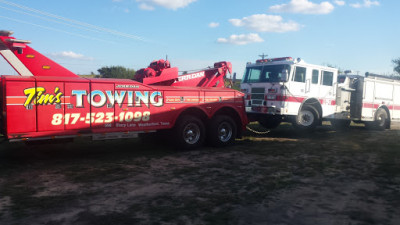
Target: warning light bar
column 259, row 61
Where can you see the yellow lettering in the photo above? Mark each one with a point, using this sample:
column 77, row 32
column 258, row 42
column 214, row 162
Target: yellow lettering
column 30, row 93
column 45, row 99
column 39, row 93
column 58, row 97
column 38, row 96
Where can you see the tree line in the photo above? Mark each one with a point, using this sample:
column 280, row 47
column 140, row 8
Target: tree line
column 396, row 63
column 116, row 72
column 126, row 73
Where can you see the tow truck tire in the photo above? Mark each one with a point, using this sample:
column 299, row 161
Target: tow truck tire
column 189, row 132
column 307, row 119
column 222, row 131
column 380, row 122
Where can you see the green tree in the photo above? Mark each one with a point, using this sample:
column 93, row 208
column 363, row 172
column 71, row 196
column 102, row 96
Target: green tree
column 396, row 63
column 340, row 70
column 116, row 72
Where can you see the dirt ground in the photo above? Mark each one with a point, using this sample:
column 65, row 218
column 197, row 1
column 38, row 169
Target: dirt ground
column 283, row 177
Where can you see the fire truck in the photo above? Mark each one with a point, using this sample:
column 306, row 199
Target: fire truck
column 371, row 99
column 47, row 101
column 287, row 89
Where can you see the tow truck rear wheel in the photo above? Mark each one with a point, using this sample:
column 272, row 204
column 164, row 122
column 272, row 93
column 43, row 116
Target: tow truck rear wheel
column 307, row 119
column 189, row 132
column 221, row 131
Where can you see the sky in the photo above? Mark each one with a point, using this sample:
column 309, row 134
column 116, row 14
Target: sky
column 83, row 35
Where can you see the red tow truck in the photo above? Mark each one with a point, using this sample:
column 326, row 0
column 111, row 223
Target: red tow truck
column 47, row 101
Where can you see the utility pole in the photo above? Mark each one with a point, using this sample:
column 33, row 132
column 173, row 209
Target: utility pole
column 263, row 56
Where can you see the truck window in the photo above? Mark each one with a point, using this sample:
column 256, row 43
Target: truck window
column 327, row 78
column 315, row 76
column 252, row 75
column 270, row 73
column 300, row 74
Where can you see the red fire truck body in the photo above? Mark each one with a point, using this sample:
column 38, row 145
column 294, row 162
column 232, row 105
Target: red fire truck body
column 48, row 101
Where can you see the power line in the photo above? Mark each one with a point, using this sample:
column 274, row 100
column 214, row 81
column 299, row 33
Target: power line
column 54, row 29
column 81, row 25
column 51, row 20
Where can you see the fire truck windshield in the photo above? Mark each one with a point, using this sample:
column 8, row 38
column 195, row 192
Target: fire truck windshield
column 266, row 74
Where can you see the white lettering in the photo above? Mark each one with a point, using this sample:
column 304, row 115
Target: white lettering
column 191, row 76
column 101, row 102
column 79, row 97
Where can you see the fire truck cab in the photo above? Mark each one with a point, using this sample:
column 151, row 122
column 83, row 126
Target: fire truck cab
column 287, row 89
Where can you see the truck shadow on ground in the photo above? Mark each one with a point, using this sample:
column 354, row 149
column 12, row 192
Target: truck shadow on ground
column 325, row 133
column 288, row 131
column 86, row 148
column 81, row 148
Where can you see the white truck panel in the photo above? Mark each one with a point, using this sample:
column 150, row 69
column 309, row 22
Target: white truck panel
column 383, row 91
column 369, row 90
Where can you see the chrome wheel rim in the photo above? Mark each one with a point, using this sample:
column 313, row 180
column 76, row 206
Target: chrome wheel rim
column 306, row 118
column 225, row 132
column 191, row 133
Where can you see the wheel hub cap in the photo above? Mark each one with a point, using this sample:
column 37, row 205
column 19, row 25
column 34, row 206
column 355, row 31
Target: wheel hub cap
column 225, row 132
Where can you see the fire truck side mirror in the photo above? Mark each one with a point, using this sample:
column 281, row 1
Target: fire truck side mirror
column 234, row 78
column 284, row 75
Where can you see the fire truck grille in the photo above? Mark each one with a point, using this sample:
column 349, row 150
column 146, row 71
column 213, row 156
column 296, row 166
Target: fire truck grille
column 257, row 93
column 256, row 102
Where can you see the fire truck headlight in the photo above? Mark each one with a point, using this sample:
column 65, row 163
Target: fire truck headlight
column 271, row 97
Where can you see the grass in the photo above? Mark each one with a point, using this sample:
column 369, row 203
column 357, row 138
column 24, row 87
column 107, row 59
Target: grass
column 24, row 201
column 130, row 182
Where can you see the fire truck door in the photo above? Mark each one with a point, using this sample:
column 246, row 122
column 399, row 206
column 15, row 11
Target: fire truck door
column 314, row 86
column 327, row 93
column 298, row 84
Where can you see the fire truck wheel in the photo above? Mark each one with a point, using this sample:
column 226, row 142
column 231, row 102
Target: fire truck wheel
column 221, row 131
column 189, row 132
column 381, row 120
column 307, row 118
